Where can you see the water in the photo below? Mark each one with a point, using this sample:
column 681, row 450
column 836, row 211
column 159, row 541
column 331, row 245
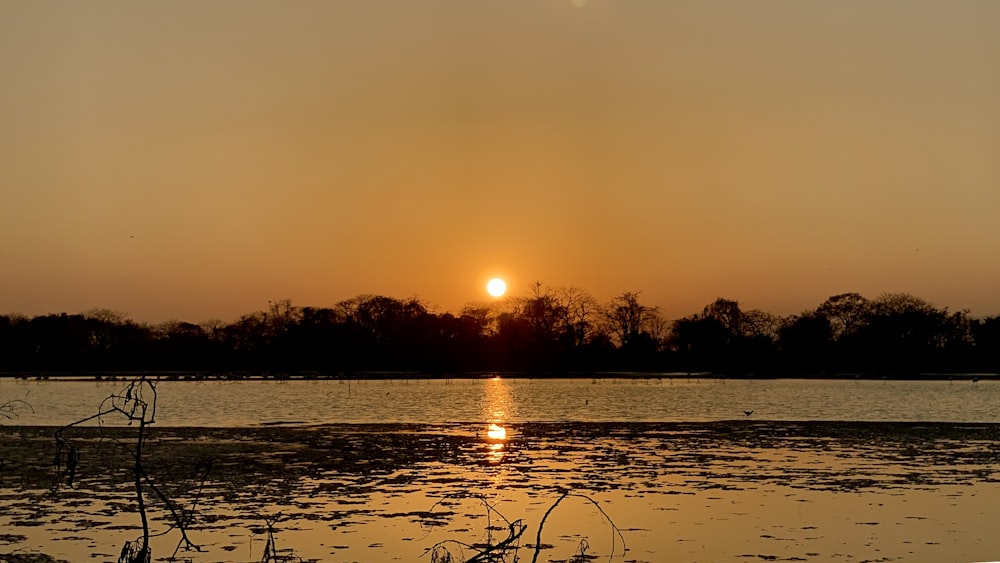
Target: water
column 383, row 470
column 259, row 402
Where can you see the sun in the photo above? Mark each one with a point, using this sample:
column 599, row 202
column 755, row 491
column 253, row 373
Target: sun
column 496, row 287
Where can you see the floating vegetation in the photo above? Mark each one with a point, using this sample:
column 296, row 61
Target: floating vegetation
column 360, row 492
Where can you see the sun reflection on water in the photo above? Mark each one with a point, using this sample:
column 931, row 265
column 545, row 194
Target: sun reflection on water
column 497, row 405
column 496, row 432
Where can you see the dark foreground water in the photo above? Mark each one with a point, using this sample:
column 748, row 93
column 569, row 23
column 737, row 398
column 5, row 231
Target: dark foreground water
column 719, row 491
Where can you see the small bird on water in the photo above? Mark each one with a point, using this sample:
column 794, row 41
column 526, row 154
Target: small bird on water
column 748, row 413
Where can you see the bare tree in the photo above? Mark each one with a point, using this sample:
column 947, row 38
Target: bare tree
column 579, row 310
column 542, row 310
column 627, row 318
column 281, row 316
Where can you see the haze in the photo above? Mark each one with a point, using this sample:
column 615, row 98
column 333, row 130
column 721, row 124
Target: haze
column 194, row 160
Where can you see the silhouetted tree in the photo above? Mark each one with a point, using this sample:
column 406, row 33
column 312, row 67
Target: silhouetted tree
column 728, row 313
column 580, row 314
column 181, row 346
column 544, row 313
column 530, row 331
column 637, row 329
column 725, row 339
column 805, row 342
column 627, row 318
column 986, row 338
column 247, row 340
column 549, row 329
column 846, row 313
column 701, row 344
column 317, row 338
column 901, row 334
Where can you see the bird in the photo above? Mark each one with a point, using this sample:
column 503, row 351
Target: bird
column 748, row 413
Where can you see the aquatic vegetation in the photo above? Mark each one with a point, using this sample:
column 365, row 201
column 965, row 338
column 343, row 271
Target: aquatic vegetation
column 719, row 491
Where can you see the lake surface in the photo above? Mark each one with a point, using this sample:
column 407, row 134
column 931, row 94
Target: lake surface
column 386, row 470
column 257, row 402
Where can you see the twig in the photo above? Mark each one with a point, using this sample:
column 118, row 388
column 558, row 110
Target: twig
column 614, row 528
column 9, row 409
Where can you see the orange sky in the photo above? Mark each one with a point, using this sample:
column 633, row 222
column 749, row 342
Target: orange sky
column 193, row 160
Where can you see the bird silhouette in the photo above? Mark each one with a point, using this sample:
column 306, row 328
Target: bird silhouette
column 748, row 413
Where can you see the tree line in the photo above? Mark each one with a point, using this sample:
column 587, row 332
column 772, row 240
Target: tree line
column 549, row 330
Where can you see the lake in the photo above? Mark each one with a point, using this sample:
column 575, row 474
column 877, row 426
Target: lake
column 660, row 469
column 257, row 402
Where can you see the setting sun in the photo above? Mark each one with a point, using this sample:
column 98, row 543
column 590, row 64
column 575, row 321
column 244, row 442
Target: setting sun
column 496, row 287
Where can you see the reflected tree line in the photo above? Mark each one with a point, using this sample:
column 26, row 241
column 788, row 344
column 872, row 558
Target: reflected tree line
column 550, row 330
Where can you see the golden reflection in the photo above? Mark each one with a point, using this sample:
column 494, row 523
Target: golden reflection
column 497, row 402
column 496, row 432
column 496, row 454
column 497, row 407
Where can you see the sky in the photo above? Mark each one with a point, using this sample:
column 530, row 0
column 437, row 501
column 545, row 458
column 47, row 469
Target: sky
column 194, row 160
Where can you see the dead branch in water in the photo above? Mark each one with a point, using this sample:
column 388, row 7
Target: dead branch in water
column 9, row 409
column 488, row 552
column 136, row 404
column 271, row 552
column 615, row 531
column 507, row 548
